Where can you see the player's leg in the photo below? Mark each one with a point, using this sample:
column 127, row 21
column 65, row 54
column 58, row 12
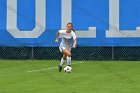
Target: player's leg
column 63, row 60
column 68, row 54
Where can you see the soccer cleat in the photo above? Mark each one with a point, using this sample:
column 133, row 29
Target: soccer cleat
column 59, row 68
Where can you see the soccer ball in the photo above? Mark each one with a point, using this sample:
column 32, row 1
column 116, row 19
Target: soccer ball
column 68, row 69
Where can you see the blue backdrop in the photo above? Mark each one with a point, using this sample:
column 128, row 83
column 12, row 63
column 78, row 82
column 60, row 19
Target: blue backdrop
column 85, row 14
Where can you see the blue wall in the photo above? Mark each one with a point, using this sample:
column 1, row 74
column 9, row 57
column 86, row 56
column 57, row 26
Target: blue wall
column 85, row 14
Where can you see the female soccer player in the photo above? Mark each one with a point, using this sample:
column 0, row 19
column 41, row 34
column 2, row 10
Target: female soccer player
column 66, row 44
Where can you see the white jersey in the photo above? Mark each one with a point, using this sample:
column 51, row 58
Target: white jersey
column 67, row 38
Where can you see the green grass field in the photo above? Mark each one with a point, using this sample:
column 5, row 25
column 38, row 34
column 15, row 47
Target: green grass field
column 34, row 76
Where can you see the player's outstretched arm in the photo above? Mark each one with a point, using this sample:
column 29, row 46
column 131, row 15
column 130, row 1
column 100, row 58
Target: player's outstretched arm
column 75, row 43
column 57, row 36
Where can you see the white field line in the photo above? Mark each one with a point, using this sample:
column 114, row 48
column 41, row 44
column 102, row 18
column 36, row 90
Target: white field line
column 52, row 67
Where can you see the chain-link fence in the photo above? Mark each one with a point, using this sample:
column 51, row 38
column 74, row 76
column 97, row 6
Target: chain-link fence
column 80, row 53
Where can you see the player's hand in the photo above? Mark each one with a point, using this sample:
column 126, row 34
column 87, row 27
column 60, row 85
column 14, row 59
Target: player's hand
column 56, row 41
column 74, row 46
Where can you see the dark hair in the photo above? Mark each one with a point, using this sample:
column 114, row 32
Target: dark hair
column 72, row 26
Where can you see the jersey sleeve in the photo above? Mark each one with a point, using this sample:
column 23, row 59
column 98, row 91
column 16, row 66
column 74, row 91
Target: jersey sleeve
column 61, row 31
column 74, row 35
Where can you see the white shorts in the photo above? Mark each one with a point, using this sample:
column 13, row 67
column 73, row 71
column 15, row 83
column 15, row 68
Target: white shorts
column 63, row 48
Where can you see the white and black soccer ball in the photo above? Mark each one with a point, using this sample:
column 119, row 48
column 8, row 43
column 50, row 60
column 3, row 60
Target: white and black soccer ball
column 68, row 69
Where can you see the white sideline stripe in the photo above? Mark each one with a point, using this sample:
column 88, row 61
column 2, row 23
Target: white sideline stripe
column 52, row 67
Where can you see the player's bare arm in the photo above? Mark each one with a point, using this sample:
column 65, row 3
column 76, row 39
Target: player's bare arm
column 57, row 37
column 75, row 43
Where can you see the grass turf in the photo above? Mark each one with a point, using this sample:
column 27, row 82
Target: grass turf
column 34, row 76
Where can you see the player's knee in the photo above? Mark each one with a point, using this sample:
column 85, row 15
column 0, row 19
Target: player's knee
column 69, row 54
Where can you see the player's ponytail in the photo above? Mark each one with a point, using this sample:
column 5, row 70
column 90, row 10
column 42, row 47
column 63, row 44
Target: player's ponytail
column 74, row 31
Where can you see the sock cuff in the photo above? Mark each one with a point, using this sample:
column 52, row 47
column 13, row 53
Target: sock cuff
column 63, row 59
column 68, row 57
